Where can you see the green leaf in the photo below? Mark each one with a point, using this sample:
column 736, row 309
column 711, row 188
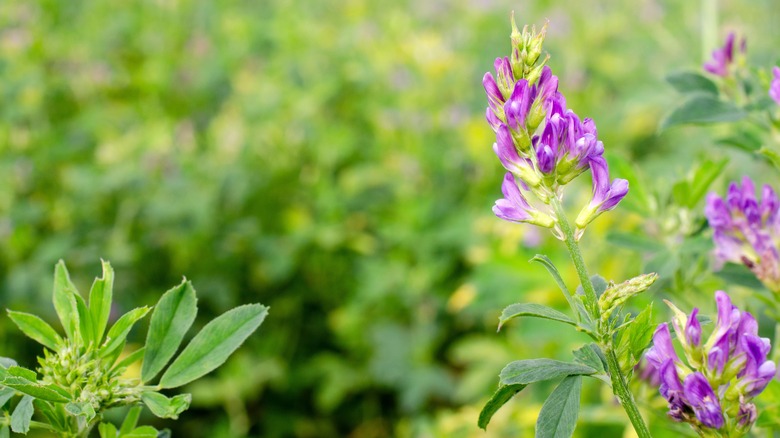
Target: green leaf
column 745, row 139
column 703, row 110
column 636, row 242
column 23, row 373
column 43, row 392
column 705, row 175
column 592, row 356
column 141, row 432
column 20, row 419
column 5, row 432
column 36, row 329
column 172, row 317
column 118, row 333
column 739, row 275
column 687, row 82
column 558, row 417
column 211, row 347
column 772, row 156
column 537, row 370
column 499, row 399
column 7, row 362
column 65, row 302
column 534, row 310
column 100, row 297
column 576, row 306
column 165, row 407
column 5, row 395
column 599, row 285
column 107, row 430
column 85, row 322
column 130, row 421
column 635, row 338
column 81, row 409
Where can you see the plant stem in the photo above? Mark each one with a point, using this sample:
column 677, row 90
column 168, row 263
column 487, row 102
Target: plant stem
column 620, row 388
column 619, row 383
column 591, row 300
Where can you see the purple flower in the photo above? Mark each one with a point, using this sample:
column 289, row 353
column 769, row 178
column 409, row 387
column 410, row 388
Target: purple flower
column 746, row 230
column 714, row 389
column 662, row 349
column 693, row 329
column 774, row 87
column 606, row 194
column 514, row 208
column 518, row 105
column 540, row 141
column 702, row 399
column 504, row 147
column 723, row 57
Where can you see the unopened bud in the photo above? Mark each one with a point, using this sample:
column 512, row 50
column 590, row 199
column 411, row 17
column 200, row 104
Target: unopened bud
column 617, row 294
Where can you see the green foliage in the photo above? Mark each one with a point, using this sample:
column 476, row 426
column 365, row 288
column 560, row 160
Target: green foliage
column 703, row 109
column 498, row 399
column 536, row 370
column 558, row 416
column 214, row 344
column 333, row 163
column 82, row 377
column 535, row 310
column 171, row 319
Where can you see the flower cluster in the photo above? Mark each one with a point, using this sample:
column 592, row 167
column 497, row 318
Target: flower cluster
column 539, row 141
column 713, row 391
column 747, row 230
column 774, row 88
column 723, row 57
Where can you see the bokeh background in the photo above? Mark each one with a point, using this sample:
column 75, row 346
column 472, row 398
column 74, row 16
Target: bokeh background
column 330, row 159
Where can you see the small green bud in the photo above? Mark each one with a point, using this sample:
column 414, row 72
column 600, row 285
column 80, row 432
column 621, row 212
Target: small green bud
column 616, row 295
column 534, row 46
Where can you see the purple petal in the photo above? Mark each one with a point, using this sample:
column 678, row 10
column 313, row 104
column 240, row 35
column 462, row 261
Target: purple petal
column 703, row 400
column 693, row 329
column 617, row 191
column 662, row 349
column 495, row 98
column 716, row 212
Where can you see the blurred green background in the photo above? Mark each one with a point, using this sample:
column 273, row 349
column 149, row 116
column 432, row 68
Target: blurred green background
column 331, row 160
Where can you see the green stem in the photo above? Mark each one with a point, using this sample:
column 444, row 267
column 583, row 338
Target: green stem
column 620, row 388
column 591, row 300
column 619, row 383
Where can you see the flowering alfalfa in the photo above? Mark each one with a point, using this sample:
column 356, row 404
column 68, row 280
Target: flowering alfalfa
column 539, row 141
column 712, row 389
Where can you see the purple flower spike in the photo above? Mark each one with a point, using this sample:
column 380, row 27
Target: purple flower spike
column 540, row 141
column 703, row 400
column 774, row 87
column 514, row 208
column 722, row 58
column 722, row 375
column 747, row 230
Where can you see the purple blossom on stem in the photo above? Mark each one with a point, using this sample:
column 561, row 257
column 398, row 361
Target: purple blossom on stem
column 703, row 400
column 514, row 207
column 723, row 57
column 541, row 142
column 722, row 375
column 746, row 230
column 774, row 87
column 606, row 195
